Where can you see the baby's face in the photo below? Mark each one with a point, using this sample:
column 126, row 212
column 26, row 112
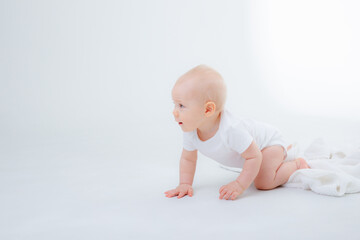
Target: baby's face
column 188, row 110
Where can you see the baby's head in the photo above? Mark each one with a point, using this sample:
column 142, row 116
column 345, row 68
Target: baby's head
column 199, row 95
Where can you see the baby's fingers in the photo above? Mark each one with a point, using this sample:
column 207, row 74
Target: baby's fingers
column 222, row 194
column 190, row 192
column 171, row 193
column 181, row 194
column 227, row 195
column 234, row 195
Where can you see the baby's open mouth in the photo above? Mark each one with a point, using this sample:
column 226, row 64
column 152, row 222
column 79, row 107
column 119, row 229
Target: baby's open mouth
column 180, row 123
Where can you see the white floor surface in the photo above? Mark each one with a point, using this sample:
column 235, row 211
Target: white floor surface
column 93, row 191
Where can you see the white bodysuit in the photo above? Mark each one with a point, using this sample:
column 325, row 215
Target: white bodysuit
column 233, row 137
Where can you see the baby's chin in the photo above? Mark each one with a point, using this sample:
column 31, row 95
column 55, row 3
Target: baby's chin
column 187, row 130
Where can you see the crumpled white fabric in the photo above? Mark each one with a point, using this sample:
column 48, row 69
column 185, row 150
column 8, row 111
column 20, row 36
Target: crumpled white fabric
column 334, row 172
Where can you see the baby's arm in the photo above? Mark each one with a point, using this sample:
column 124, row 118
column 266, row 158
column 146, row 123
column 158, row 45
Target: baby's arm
column 253, row 158
column 187, row 171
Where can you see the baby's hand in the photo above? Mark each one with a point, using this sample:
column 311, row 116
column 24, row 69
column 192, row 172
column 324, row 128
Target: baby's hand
column 180, row 191
column 231, row 190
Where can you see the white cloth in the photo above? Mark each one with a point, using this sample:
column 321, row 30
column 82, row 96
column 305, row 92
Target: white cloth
column 233, row 137
column 333, row 172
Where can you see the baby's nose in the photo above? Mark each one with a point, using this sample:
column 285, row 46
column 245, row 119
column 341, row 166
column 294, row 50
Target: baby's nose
column 175, row 113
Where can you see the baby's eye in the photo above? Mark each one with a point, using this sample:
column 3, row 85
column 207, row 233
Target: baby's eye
column 181, row 106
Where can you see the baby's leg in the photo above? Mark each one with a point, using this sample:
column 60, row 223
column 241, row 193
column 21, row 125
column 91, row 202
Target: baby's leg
column 273, row 170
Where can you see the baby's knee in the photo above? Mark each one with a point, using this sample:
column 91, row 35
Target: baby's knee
column 264, row 184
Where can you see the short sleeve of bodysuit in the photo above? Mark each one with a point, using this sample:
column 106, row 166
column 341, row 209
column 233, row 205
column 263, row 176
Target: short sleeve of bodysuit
column 239, row 139
column 188, row 141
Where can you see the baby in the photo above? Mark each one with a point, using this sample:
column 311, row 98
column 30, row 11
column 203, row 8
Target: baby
column 259, row 149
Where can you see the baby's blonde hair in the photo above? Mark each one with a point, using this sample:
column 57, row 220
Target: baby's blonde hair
column 212, row 85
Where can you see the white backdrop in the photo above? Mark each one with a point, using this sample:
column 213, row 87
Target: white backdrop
column 85, row 96
column 102, row 71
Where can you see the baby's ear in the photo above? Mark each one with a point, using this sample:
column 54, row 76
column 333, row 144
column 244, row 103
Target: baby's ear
column 210, row 108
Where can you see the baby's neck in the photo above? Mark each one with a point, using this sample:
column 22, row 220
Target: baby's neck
column 209, row 128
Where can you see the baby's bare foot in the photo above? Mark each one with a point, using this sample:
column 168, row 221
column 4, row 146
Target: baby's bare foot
column 301, row 163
